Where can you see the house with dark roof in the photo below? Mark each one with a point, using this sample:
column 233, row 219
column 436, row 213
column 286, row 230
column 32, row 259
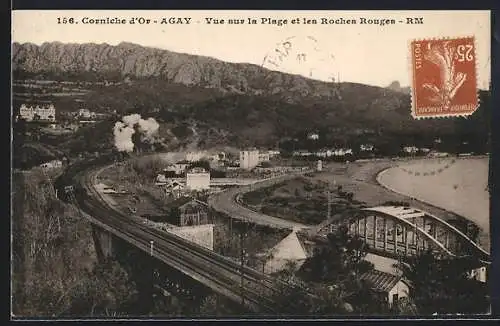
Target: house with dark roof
column 390, row 287
column 188, row 211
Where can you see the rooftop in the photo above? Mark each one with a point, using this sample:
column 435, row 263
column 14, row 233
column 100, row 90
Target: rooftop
column 380, row 281
column 198, row 170
column 184, row 200
column 398, row 211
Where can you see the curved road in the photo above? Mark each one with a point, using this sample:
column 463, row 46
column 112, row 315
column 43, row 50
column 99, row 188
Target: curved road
column 227, row 202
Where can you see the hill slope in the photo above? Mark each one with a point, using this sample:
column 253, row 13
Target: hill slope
column 224, row 102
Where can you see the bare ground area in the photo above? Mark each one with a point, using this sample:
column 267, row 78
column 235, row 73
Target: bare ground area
column 303, row 200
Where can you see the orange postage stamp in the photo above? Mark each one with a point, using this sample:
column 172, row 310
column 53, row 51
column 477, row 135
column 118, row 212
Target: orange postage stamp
column 444, row 77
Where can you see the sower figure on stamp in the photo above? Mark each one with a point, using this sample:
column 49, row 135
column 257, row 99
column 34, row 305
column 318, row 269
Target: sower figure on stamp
column 442, row 55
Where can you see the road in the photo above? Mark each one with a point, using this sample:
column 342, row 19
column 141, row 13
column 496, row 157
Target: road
column 227, row 202
column 213, row 270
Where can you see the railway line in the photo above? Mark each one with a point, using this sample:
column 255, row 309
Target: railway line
column 234, row 281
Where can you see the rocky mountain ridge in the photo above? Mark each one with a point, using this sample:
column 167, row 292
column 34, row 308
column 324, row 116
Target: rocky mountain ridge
column 127, row 60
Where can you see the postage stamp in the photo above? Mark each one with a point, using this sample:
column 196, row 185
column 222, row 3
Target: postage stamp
column 444, row 77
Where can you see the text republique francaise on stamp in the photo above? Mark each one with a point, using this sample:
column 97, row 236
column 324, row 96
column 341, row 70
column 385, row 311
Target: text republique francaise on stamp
column 444, row 77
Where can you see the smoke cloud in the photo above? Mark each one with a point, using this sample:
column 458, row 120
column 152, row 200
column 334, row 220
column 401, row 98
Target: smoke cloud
column 132, row 125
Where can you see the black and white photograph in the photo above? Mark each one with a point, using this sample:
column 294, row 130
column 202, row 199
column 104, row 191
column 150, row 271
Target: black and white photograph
column 211, row 164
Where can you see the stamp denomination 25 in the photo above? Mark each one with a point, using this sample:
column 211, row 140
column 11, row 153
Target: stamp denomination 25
column 444, row 77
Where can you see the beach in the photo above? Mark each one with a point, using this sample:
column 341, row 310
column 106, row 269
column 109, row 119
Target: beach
column 459, row 186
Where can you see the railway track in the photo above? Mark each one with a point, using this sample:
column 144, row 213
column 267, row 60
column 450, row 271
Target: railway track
column 221, row 274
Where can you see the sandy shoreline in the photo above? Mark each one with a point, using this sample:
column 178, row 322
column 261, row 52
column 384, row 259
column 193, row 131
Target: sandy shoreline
column 460, row 188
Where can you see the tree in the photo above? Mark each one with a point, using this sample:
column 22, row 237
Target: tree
column 329, row 281
column 443, row 285
column 341, row 255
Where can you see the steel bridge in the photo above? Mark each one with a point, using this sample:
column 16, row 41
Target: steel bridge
column 404, row 231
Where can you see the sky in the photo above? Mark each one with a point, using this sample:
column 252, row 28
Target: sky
column 364, row 53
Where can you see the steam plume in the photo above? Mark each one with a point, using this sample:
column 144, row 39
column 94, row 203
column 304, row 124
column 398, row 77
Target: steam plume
column 130, row 124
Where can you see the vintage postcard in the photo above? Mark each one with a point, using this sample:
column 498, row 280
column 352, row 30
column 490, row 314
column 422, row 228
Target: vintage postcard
column 266, row 164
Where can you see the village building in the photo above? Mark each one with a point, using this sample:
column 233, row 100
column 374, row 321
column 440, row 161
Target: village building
column 195, row 156
column 180, row 167
column 410, row 149
column 187, row 211
column 198, row 179
column 249, row 159
column 86, row 114
column 174, row 188
column 273, row 153
column 479, row 274
column 38, row 113
column 319, row 166
column 52, row 164
column 366, row 147
column 341, row 152
column 391, row 288
column 264, row 157
column 302, row 153
column 218, row 157
column 313, row 136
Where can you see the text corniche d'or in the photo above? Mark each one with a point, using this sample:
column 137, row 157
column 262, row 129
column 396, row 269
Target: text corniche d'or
column 241, row 21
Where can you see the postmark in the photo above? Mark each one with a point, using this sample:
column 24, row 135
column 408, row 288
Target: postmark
column 443, row 77
column 304, row 55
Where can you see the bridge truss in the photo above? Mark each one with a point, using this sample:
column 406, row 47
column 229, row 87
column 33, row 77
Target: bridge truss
column 404, row 231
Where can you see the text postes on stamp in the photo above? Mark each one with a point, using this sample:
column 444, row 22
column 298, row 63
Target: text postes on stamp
column 444, row 77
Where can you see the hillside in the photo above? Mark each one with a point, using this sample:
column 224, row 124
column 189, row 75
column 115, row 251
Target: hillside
column 202, row 101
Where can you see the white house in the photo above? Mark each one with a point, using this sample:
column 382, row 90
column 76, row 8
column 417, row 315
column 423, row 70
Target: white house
column 86, row 114
column 52, row 164
column 366, row 147
column 319, row 166
column 198, row 179
column 195, row 156
column 341, row 151
column 437, row 154
column 273, row 153
column 249, row 159
column 313, row 136
column 479, row 274
column 410, row 149
column 32, row 113
column 391, row 287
